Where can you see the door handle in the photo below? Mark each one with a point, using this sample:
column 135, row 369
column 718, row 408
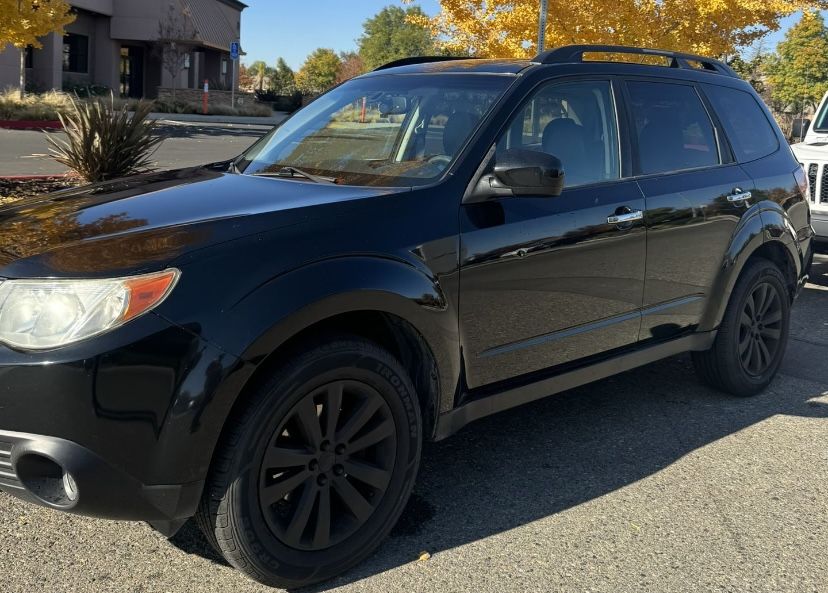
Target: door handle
column 739, row 196
column 626, row 217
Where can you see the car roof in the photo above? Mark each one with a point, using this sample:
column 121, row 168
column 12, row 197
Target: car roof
column 454, row 66
column 568, row 54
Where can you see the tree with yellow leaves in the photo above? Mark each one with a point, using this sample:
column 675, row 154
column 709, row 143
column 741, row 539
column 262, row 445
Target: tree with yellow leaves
column 24, row 22
column 508, row 28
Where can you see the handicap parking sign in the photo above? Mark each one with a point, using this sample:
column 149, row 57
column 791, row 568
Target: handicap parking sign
column 234, row 50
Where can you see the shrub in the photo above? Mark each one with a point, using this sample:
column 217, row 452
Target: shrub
column 255, row 110
column 174, row 107
column 104, row 142
column 45, row 106
column 288, row 103
column 87, row 90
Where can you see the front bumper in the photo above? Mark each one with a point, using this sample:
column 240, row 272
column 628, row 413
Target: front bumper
column 819, row 220
column 65, row 476
column 122, row 426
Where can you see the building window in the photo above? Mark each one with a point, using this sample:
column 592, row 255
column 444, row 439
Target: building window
column 224, row 66
column 186, row 60
column 29, row 57
column 75, row 53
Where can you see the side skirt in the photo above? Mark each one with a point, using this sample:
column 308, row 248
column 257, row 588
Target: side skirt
column 475, row 409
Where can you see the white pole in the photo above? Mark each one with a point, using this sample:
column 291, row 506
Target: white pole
column 544, row 11
column 233, row 94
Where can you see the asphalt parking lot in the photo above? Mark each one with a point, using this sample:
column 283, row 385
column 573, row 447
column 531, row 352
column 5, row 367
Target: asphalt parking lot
column 25, row 152
column 642, row 482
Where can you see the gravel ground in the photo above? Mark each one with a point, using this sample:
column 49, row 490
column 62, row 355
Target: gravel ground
column 642, row 482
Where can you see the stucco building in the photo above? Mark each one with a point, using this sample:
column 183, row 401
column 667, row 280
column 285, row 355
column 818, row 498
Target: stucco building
column 113, row 43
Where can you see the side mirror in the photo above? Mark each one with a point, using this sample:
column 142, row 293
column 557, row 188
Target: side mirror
column 520, row 172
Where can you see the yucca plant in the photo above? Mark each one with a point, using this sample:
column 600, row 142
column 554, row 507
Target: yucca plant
column 104, row 142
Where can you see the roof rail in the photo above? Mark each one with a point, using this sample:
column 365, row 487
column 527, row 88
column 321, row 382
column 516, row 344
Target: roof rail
column 420, row 60
column 575, row 54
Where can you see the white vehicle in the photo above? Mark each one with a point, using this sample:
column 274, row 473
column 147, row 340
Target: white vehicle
column 812, row 152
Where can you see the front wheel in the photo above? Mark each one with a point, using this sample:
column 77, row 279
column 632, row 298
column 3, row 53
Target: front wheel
column 315, row 470
column 753, row 336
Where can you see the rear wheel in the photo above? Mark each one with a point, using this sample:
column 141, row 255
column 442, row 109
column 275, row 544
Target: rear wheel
column 315, row 470
column 753, row 336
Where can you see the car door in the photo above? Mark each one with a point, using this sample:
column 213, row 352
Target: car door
column 695, row 196
column 546, row 281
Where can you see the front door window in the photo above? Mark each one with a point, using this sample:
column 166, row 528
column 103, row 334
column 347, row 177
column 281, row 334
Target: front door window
column 574, row 122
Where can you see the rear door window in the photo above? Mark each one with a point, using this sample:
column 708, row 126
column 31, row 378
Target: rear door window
column 673, row 128
column 746, row 125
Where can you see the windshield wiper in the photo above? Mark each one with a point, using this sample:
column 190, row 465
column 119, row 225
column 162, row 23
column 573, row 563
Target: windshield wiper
column 289, row 172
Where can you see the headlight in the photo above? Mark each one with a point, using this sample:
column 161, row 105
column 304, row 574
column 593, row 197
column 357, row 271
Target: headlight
column 44, row 314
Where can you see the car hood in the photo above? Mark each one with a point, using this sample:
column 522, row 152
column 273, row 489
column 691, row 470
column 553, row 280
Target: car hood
column 146, row 222
column 812, row 150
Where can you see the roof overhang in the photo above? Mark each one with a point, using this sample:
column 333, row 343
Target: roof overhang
column 234, row 4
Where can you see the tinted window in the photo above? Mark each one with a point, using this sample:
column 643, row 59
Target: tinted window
column 749, row 131
column 673, row 128
column 75, row 53
column 576, row 123
column 821, row 122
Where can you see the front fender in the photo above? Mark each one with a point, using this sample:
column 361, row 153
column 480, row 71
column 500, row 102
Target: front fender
column 290, row 303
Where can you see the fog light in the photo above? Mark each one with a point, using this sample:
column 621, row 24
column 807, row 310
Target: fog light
column 47, row 480
column 70, row 487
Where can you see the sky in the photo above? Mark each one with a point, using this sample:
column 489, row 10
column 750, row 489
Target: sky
column 293, row 28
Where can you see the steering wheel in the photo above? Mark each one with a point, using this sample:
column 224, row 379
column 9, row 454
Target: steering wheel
column 439, row 159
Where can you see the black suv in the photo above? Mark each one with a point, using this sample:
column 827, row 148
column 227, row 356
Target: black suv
column 265, row 344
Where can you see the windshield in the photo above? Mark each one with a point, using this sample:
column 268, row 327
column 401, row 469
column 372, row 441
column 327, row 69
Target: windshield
column 821, row 120
column 392, row 131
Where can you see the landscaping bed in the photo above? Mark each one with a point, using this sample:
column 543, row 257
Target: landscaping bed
column 40, row 111
column 12, row 190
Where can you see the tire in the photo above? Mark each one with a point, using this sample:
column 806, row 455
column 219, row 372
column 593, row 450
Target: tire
column 738, row 363
column 337, row 428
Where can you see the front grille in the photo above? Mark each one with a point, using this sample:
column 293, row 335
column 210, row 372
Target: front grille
column 8, row 479
column 812, row 178
column 823, row 186
column 818, row 180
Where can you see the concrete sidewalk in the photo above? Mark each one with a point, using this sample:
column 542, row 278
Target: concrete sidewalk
column 219, row 120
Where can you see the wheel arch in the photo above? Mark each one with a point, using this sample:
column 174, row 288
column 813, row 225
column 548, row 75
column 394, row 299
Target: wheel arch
column 387, row 330
column 754, row 238
column 394, row 303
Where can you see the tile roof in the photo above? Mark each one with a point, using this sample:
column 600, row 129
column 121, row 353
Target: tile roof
column 214, row 28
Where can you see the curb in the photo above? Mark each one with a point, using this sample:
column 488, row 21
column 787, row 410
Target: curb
column 31, row 125
column 56, row 177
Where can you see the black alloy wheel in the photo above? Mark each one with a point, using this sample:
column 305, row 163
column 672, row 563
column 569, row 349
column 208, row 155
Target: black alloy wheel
column 753, row 335
column 315, row 465
column 760, row 329
column 328, row 466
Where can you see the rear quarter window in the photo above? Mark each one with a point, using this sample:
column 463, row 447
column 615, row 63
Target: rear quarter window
column 747, row 127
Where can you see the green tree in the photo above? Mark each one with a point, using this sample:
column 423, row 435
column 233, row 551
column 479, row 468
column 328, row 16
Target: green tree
column 285, row 83
column 319, row 72
column 263, row 76
column 393, row 34
column 798, row 73
column 751, row 66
